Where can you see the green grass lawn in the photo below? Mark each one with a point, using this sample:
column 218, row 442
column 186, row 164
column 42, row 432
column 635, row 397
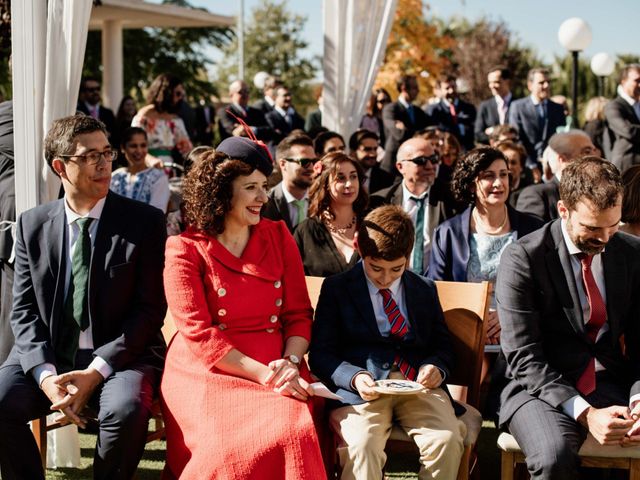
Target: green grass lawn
column 398, row 466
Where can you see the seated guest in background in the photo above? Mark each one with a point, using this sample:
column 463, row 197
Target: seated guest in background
column 380, row 321
column 328, row 142
column 137, row 180
column 363, row 146
column 283, row 119
column 495, row 110
column 228, row 124
column 594, row 122
column 452, row 114
column 268, row 102
column 541, row 199
column 232, row 358
column 126, row 111
column 449, row 151
column 418, row 196
column 313, row 122
column 337, row 203
column 288, row 200
column 631, row 201
column 521, row 177
column 87, row 314
column 568, row 303
column 372, row 118
column 467, row 247
column 91, row 104
column 502, row 133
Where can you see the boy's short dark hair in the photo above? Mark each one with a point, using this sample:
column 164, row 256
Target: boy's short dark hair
column 386, row 233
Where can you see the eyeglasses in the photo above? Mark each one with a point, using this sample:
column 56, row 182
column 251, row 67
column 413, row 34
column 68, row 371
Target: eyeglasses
column 423, row 159
column 368, row 149
column 303, row 162
column 94, row 158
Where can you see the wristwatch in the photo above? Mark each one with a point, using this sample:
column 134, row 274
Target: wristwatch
column 293, row 359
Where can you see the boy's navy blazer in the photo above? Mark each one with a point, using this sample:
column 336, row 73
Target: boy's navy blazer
column 346, row 338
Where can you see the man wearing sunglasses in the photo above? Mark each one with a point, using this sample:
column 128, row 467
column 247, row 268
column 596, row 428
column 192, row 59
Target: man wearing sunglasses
column 364, row 145
column 288, row 200
column 87, row 310
column 89, row 103
column 419, row 194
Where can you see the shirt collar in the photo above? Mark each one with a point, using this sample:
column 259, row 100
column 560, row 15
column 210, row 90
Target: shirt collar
column 290, row 198
column 94, row 213
column 373, row 290
column 403, row 102
column 282, row 112
column 270, row 101
column 537, row 102
column 571, row 247
column 503, row 100
column 625, row 97
column 406, row 194
column 447, row 102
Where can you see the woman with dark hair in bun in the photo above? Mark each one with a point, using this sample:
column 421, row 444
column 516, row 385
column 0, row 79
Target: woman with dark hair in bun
column 235, row 389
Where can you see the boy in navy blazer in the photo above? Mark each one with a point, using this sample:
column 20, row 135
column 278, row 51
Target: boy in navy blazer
column 381, row 321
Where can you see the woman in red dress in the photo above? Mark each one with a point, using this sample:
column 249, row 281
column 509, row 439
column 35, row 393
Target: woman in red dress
column 234, row 400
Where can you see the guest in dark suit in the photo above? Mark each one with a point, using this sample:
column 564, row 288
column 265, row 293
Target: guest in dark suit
column 520, row 176
column 401, row 119
column 541, row 199
column 419, row 195
column 205, row 123
column 623, row 119
column 283, row 119
column 266, row 103
column 535, row 116
column 87, row 311
column 364, row 146
column 91, row 105
column 337, row 203
column 229, row 126
column 313, row 123
column 380, row 321
column 568, row 310
column 7, row 216
column 288, row 200
column 452, row 114
column 495, row 110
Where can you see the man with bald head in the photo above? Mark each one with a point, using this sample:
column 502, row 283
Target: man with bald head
column 229, row 126
column 542, row 199
column 419, row 194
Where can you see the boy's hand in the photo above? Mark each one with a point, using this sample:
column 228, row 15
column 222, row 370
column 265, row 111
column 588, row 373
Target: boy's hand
column 364, row 383
column 429, row 376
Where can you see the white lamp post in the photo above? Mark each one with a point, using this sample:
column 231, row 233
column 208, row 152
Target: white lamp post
column 575, row 35
column 602, row 65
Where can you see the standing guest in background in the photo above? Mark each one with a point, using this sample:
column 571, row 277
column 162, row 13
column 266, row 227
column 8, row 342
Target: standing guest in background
column 594, row 123
column 452, row 114
column 623, row 119
column 495, row 110
column 372, row 119
column 419, row 195
column 337, row 203
column 166, row 133
column 86, row 315
column 363, row 146
column 631, row 201
column 268, row 102
column 541, row 199
column 328, row 142
column 288, row 200
column 7, row 218
column 521, row 177
column 205, row 123
column 313, row 123
column 564, row 103
column 137, row 180
column 232, row 358
column 91, row 105
column 502, row 133
column 401, row 119
column 568, row 303
column 283, row 119
column 536, row 117
column 228, row 124
column 126, row 111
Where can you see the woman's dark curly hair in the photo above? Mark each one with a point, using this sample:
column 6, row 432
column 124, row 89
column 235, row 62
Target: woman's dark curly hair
column 467, row 170
column 208, row 189
column 160, row 92
column 319, row 194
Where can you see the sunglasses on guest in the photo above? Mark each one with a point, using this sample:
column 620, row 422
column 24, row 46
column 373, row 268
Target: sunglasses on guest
column 423, row 159
column 303, row 162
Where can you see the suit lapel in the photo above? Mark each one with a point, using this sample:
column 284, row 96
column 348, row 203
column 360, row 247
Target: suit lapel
column 283, row 206
column 411, row 293
column 101, row 247
column 55, row 232
column 359, row 292
column 615, row 274
column 396, row 198
column 561, row 273
column 533, row 115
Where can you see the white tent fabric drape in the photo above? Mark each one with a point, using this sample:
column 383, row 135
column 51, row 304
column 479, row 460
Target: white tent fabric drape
column 355, row 38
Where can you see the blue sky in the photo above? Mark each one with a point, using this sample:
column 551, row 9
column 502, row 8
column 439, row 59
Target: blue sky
column 614, row 23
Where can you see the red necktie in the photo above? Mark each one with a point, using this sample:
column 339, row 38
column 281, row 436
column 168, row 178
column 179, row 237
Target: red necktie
column 452, row 111
column 399, row 329
column 597, row 318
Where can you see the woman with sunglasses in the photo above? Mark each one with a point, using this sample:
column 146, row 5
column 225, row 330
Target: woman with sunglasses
column 337, row 203
column 467, row 247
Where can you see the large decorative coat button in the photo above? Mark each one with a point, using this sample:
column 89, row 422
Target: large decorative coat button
column 222, row 326
column 271, row 330
column 222, row 312
column 273, row 318
column 277, row 284
column 222, row 292
column 385, row 365
column 278, row 302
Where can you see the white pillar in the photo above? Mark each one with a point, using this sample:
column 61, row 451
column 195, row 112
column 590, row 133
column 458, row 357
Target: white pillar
column 28, row 46
column 112, row 77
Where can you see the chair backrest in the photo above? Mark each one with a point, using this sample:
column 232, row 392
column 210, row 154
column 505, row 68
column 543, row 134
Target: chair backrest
column 465, row 306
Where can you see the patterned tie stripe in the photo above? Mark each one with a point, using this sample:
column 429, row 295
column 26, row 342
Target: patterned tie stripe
column 399, row 328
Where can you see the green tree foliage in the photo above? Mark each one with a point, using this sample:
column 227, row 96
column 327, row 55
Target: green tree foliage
column 272, row 43
column 151, row 51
